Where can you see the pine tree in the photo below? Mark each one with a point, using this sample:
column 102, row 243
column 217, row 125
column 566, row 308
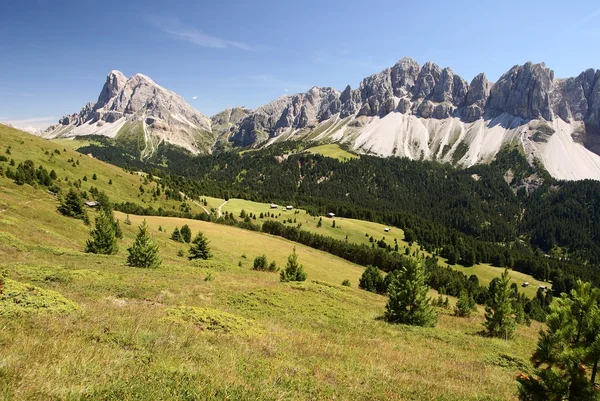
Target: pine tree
column 144, row 252
column 320, row 222
column 176, row 236
column 371, row 280
column 128, row 221
column 293, row 271
column 568, row 353
column 103, row 239
column 465, row 305
column 94, row 177
column 408, row 302
column 199, row 248
column 260, row 263
column 72, row 205
column 499, row 314
column 186, row 233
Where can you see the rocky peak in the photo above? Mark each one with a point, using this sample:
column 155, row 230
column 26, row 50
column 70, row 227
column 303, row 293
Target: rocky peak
column 524, row 91
column 403, row 76
column 115, row 81
column 428, row 78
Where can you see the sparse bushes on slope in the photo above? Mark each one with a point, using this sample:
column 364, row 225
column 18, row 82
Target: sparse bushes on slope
column 261, row 263
column 144, row 251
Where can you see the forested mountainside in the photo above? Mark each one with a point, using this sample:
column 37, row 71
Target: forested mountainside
column 507, row 213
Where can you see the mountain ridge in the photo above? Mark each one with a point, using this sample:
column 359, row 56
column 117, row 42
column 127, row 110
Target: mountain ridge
column 407, row 110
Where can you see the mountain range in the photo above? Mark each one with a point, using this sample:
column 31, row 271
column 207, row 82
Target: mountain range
column 420, row 112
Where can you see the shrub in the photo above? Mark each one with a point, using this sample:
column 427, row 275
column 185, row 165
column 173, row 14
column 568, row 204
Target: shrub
column 346, row 283
column 260, row 263
column 499, row 314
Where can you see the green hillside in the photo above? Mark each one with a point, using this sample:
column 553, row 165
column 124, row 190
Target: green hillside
column 84, row 326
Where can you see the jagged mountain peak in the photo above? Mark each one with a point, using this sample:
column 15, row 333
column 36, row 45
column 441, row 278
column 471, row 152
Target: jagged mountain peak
column 139, row 107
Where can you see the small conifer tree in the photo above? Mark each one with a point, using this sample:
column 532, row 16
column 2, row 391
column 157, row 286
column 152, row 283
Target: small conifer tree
column 104, row 240
column 465, row 305
column 293, row 270
column 371, row 280
column 186, row 233
column 176, row 236
column 260, row 263
column 144, row 252
column 408, row 302
column 72, row 205
column 499, row 314
column 200, row 248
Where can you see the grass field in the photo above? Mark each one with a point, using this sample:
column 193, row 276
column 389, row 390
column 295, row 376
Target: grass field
column 360, row 232
column 89, row 327
column 74, row 143
column 134, row 335
column 125, row 186
column 334, row 151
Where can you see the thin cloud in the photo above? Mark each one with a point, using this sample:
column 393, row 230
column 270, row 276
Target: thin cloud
column 32, row 120
column 194, row 97
column 590, row 17
column 177, row 29
column 29, row 123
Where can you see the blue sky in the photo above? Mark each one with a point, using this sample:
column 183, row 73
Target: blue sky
column 55, row 54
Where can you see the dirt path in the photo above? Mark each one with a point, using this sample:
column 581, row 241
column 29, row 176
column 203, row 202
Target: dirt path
column 202, row 206
column 219, row 213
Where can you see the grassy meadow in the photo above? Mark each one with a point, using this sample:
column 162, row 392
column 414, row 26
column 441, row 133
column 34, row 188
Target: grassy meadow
column 77, row 326
column 334, row 151
column 360, row 232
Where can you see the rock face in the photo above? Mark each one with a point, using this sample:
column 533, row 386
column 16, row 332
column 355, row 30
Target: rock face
column 524, row 91
column 138, row 106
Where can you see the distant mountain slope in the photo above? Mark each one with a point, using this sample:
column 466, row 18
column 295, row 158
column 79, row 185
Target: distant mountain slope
column 420, row 112
column 138, row 112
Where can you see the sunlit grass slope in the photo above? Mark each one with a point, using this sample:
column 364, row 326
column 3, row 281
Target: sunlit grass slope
column 214, row 329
